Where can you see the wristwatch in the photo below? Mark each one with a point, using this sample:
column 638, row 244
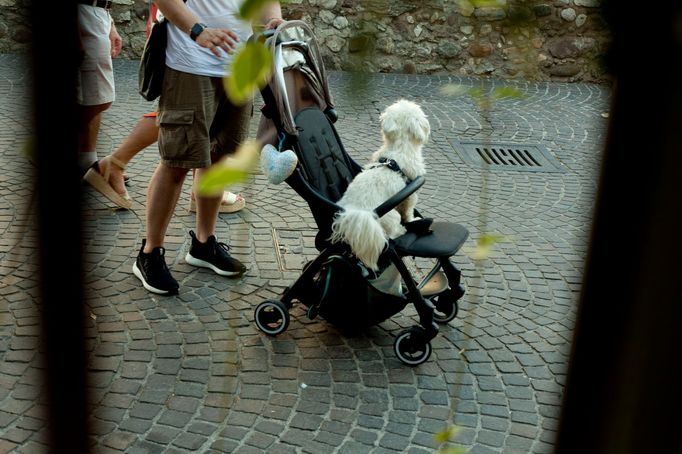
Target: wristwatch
column 196, row 30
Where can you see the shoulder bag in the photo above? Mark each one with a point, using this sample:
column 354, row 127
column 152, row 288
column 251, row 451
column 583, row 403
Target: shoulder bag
column 153, row 60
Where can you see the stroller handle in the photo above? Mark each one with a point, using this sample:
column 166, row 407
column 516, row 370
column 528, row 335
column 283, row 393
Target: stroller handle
column 401, row 195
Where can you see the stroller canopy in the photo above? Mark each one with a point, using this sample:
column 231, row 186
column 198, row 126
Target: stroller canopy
column 293, row 45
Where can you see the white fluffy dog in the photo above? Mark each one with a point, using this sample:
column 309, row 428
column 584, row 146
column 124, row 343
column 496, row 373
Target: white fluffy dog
column 405, row 128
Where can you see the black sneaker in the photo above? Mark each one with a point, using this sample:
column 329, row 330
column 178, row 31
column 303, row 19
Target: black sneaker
column 151, row 269
column 213, row 255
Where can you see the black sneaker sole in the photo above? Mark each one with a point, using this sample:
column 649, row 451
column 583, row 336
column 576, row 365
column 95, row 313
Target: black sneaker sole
column 204, row 264
column 158, row 291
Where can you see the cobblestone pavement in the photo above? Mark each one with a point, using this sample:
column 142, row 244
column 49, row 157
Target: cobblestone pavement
column 193, row 373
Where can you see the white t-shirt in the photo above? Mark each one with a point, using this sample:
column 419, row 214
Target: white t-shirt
column 183, row 54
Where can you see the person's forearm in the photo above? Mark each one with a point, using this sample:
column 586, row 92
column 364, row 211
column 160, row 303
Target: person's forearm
column 179, row 15
column 213, row 39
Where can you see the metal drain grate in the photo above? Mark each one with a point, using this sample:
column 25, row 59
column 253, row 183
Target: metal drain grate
column 501, row 156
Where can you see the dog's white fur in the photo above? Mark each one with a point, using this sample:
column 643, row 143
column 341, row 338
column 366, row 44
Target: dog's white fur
column 405, row 129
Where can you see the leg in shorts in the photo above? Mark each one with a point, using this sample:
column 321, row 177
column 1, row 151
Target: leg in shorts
column 96, row 75
column 198, row 124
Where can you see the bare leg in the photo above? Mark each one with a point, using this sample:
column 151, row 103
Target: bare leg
column 163, row 193
column 91, row 118
column 144, row 134
column 91, row 132
column 207, row 212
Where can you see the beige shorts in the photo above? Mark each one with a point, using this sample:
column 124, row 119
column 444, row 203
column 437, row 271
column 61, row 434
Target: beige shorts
column 198, row 124
column 96, row 76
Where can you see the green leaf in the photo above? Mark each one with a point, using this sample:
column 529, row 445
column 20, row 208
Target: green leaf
column 250, row 71
column 489, row 239
column 251, row 9
column 507, row 92
column 229, row 170
column 484, row 246
column 446, row 434
column 476, row 93
column 218, row 177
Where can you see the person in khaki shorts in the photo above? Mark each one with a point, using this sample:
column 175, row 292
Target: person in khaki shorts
column 106, row 175
column 197, row 126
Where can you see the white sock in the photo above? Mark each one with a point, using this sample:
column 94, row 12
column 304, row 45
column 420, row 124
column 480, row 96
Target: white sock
column 86, row 158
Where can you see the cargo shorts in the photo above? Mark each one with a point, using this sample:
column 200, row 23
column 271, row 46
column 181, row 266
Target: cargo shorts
column 197, row 123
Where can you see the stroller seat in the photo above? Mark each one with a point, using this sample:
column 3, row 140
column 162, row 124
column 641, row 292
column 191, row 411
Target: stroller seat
column 444, row 241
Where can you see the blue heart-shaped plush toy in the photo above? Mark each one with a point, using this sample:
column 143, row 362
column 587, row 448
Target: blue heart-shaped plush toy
column 276, row 165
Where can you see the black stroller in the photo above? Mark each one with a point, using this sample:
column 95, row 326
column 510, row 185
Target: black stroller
column 299, row 115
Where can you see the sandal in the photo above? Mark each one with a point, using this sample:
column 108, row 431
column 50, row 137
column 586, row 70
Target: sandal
column 101, row 182
column 231, row 203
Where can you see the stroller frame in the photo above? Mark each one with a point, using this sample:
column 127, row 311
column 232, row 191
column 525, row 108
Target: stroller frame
column 321, row 179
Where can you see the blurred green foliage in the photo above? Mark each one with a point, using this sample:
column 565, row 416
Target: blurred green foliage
column 250, row 71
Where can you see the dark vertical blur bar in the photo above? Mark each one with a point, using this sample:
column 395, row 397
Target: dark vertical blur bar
column 623, row 387
column 55, row 57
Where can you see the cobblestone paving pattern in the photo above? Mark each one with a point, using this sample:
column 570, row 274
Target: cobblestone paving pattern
column 192, row 373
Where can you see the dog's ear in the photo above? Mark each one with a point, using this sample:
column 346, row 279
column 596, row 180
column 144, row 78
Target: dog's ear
column 389, row 126
column 418, row 128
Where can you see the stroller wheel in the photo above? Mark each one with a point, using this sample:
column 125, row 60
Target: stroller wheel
column 446, row 306
column 272, row 317
column 410, row 347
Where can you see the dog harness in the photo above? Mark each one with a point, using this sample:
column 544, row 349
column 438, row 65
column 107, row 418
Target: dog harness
column 391, row 164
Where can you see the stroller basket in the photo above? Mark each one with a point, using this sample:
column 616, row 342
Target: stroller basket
column 343, row 296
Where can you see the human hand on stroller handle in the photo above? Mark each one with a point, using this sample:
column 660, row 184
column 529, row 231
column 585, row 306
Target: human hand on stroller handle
column 273, row 23
column 264, row 33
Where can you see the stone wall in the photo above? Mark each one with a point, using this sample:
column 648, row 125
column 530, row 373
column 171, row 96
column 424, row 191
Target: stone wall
column 533, row 39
